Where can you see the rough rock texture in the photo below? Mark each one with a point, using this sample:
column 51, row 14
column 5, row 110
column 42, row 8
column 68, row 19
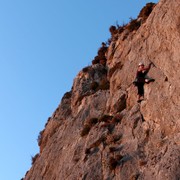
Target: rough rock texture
column 100, row 132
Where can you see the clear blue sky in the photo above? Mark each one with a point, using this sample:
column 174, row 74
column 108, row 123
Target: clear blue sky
column 43, row 45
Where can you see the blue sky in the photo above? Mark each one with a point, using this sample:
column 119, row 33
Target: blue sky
column 43, row 45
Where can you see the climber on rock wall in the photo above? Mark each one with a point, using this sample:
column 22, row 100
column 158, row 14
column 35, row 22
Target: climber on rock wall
column 141, row 79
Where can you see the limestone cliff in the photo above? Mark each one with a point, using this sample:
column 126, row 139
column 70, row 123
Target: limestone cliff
column 99, row 131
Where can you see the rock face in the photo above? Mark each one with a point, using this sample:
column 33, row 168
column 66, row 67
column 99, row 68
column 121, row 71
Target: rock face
column 99, row 131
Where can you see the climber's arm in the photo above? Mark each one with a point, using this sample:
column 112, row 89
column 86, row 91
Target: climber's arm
column 148, row 68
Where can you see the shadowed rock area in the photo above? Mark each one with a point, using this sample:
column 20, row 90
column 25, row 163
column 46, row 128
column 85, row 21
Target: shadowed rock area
column 99, row 131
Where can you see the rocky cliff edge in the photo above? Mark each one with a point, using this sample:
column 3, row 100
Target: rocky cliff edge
column 99, row 131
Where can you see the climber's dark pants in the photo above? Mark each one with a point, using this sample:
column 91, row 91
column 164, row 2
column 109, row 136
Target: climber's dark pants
column 140, row 87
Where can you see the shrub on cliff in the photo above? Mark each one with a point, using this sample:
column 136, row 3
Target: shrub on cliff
column 88, row 125
column 95, row 61
column 67, row 95
column 146, row 10
column 133, row 25
column 114, row 162
column 86, row 129
column 101, row 54
column 92, row 121
column 86, row 69
column 34, row 158
column 113, row 30
column 39, row 140
column 105, row 118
